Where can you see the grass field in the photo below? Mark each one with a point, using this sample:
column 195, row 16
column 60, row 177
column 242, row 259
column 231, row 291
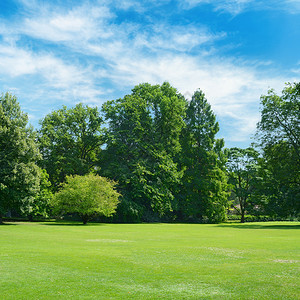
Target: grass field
column 149, row 261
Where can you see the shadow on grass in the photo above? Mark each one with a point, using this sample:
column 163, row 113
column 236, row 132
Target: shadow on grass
column 260, row 226
column 68, row 223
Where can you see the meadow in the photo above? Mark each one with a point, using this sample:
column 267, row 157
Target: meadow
column 149, row 261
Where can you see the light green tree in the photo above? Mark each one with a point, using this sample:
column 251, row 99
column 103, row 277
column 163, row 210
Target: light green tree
column 88, row 195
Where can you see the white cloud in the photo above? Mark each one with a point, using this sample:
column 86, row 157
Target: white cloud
column 73, row 82
column 235, row 7
column 293, row 6
column 79, row 24
column 178, row 38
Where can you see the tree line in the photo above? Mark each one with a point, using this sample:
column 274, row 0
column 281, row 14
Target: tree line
column 159, row 151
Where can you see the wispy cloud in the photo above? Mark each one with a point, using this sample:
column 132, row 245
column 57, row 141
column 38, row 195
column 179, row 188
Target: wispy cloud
column 52, row 72
column 235, row 7
column 80, row 23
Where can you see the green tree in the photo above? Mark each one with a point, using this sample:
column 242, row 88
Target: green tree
column 42, row 199
column 87, row 195
column 204, row 185
column 70, row 142
column 19, row 174
column 280, row 119
column 242, row 169
column 278, row 133
column 278, row 193
column 142, row 140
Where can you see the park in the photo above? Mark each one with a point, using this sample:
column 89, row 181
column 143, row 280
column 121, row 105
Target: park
column 149, row 149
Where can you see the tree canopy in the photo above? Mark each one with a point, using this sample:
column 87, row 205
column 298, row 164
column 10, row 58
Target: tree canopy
column 163, row 152
column 87, row 195
column 280, row 119
column 159, row 150
column 70, row 142
column 278, row 133
column 143, row 137
column 19, row 173
column 204, row 183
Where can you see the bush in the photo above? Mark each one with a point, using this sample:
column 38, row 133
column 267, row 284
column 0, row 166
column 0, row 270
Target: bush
column 259, row 218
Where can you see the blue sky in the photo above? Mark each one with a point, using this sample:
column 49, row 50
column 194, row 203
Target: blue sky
column 55, row 53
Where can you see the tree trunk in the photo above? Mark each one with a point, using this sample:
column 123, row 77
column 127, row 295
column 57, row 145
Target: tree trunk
column 85, row 219
column 1, row 220
column 243, row 216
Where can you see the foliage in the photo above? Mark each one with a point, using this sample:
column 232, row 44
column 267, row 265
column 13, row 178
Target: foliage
column 260, row 218
column 280, row 119
column 163, row 152
column 143, row 137
column 242, row 169
column 86, row 195
column 203, row 193
column 278, row 191
column 70, row 142
column 279, row 135
column 42, row 199
column 19, row 174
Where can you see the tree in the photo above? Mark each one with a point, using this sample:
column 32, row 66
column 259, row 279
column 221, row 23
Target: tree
column 242, row 168
column 87, row 195
column 278, row 133
column 42, row 199
column 278, row 193
column 142, row 140
column 19, row 174
column 204, row 185
column 280, row 119
column 70, row 142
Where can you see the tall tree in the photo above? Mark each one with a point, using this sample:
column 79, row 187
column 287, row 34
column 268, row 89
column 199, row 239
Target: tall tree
column 143, row 137
column 204, row 184
column 19, row 174
column 70, row 142
column 278, row 133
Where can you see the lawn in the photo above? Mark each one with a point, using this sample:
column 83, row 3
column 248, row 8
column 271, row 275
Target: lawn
column 149, row 261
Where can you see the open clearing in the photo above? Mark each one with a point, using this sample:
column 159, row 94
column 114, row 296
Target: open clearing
column 149, row 261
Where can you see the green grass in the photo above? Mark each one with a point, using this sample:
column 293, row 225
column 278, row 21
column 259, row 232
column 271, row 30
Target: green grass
column 149, row 261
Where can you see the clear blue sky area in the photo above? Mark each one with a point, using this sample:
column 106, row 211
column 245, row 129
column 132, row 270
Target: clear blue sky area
column 55, row 53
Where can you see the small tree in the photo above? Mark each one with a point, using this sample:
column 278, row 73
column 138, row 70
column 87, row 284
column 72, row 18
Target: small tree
column 87, row 195
column 242, row 171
